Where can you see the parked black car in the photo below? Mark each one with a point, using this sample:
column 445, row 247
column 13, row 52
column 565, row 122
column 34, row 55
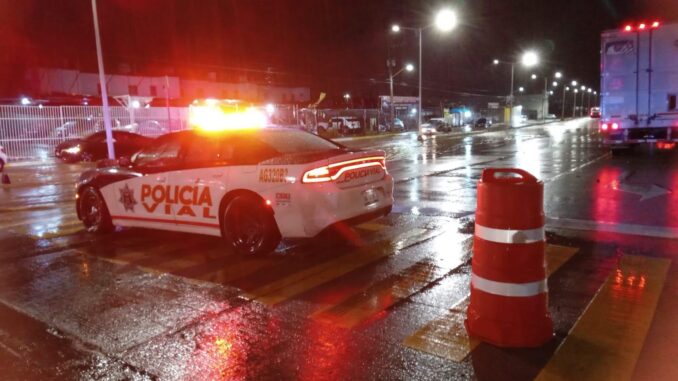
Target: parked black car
column 482, row 123
column 93, row 147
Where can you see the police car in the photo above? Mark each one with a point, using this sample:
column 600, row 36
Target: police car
column 252, row 187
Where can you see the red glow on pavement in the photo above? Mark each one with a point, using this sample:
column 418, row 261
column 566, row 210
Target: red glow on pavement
column 327, row 352
column 606, row 196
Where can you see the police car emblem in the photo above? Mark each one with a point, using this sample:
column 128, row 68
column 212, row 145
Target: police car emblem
column 127, row 198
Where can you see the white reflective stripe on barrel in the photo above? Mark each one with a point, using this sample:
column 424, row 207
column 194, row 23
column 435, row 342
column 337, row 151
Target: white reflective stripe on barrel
column 509, row 289
column 510, row 236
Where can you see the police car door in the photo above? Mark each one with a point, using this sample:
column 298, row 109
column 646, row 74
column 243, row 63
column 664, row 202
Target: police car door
column 146, row 200
column 201, row 183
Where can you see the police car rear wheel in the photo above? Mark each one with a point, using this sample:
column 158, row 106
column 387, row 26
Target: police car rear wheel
column 248, row 227
column 93, row 212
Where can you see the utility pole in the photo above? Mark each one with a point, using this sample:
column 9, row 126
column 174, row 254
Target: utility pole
column 391, row 63
column 102, row 83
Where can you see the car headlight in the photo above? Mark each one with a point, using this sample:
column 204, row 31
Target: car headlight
column 73, row 150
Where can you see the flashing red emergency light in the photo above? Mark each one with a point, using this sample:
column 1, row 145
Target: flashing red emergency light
column 642, row 26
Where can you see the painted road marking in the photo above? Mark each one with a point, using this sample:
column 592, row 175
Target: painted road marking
column 606, row 341
column 588, row 225
column 382, row 295
column 446, row 336
column 307, row 279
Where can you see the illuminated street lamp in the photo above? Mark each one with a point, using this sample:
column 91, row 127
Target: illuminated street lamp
column 574, row 83
column 527, row 59
column 559, row 75
column 534, row 76
column 555, row 84
column 445, row 20
column 521, row 89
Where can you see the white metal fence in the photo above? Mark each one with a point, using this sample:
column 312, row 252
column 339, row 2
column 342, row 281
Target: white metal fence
column 32, row 132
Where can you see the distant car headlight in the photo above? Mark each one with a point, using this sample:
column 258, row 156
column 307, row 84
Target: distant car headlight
column 73, row 150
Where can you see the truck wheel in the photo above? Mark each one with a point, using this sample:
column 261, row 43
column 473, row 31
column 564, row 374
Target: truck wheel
column 94, row 212
column 249, row 227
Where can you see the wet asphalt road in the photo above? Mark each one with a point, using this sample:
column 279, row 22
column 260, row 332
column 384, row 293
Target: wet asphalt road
column 143, row 304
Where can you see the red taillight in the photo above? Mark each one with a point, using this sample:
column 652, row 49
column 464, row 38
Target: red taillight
column 603, row 126
column 333, row 171
column 641, row 26
column 628, row 28
column 655, row 24
column 615, row 126
column 666, row 145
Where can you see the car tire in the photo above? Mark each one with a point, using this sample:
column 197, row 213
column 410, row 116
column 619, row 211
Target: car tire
column 248, row 226
column 86, row 157
column 93, row 211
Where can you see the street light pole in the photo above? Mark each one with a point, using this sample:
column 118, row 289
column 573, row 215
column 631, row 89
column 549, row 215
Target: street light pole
column 390, row 75
column 574, row 105
column 102, row 82
column 513, row 67
column 419, row 30
column 544, row 100
column 562, row 110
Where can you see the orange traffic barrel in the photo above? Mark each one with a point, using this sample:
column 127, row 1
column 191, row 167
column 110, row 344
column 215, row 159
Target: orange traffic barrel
column 509, row 296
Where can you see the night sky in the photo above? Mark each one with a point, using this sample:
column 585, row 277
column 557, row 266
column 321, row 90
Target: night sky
column 329, row 45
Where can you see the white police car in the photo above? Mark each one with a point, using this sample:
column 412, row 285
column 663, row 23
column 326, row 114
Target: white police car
column 250, row 186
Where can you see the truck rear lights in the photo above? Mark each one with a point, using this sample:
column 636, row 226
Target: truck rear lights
column 615, row 126
column 666, row 145
column 604, row 126
column 642, row 26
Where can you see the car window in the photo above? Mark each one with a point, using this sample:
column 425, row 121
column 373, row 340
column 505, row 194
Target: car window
column 205, row 151
column 163, row 152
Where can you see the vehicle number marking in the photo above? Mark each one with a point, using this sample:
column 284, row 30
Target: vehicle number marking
column 272, row 175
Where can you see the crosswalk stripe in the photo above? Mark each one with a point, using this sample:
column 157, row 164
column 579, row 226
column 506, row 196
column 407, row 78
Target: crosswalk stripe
column 446, row 336
column 62, row 217
column 606, row 341
column 383, row 295
column 304, row 280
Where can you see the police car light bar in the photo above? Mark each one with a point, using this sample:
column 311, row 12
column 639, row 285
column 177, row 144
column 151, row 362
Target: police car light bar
column 334, row 171
column 212, row 118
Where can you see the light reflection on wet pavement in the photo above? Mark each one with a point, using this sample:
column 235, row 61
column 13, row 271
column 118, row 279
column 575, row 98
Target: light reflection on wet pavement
column 143, row 304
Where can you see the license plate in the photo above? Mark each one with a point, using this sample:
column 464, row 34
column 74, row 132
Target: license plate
column 370, row 196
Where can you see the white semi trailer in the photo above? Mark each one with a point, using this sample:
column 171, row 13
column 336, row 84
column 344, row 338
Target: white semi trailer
column 639, row 85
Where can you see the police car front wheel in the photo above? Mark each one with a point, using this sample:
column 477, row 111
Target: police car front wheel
column 249, row 227
column 93, row 211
